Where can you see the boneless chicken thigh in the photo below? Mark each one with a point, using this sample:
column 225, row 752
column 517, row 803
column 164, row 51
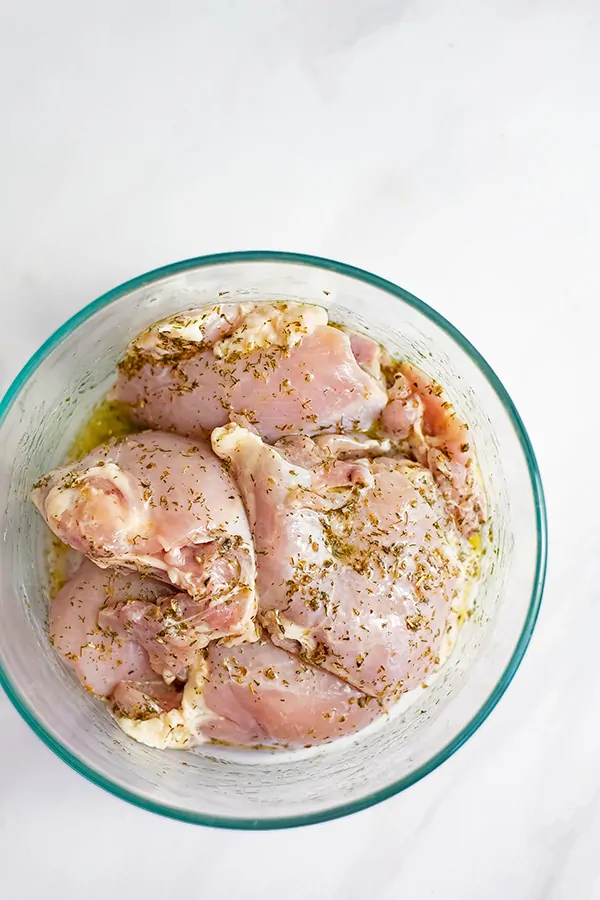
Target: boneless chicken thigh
column 277, row 367
column 256, row 695
column 260, row 694
column 162, row 505
column 419, row 411
column 171, row 631
column 358, row 560
column 105, row 663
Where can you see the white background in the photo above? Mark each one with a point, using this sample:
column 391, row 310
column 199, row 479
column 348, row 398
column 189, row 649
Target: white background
column 449, row 145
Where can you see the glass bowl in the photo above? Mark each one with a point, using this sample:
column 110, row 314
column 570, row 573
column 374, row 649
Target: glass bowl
column 39, row 417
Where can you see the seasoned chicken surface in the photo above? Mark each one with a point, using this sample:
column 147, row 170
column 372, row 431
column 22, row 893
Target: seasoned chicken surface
column 358, row 560
column 255, row 695
column 260, row 694
column 277, row 367
column 103, row 661
column 439, row 440
column 286, row 553
column 162, row 505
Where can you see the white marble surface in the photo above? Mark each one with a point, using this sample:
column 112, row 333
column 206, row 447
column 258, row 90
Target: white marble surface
column 449, row 145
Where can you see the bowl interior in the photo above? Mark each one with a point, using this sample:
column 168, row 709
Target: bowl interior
column 41, row 415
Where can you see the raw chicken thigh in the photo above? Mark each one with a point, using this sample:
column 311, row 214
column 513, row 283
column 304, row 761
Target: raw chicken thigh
column 368, row 354
column 104, row 663
column 358, row 559
column 163, row 505
column 262, row 695
column 277, row 367
column 419, row 411
column 171, row 631
column 256, row 695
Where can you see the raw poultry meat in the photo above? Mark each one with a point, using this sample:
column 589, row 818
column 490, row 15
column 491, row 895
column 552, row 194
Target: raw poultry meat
column 358, row 560
column 147, row 697
column 276, row 367
column 261, row 694
column 256, row 695
column 166, row 506
column 171, row 631
column 419, row 411
column 250, row 694
column 368, row 354
column 285, row 586
column 104, row 662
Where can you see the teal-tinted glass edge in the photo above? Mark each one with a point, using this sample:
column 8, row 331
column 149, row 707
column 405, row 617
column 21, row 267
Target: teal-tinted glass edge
column 541, row 525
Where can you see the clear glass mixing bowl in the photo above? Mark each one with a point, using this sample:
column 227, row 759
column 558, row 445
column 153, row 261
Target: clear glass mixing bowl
column 39, row 417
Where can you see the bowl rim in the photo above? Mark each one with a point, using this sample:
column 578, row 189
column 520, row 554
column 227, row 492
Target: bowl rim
column 484, row 710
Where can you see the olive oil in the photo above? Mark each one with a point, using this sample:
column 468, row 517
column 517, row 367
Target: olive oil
column 108, row 420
